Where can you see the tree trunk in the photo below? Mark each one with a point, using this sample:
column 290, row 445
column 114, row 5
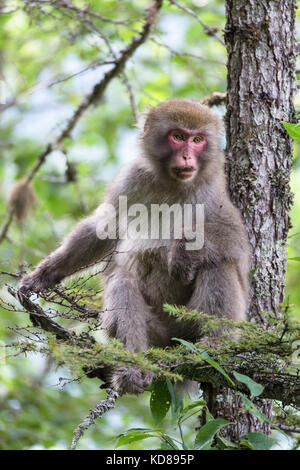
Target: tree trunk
column 260, row 42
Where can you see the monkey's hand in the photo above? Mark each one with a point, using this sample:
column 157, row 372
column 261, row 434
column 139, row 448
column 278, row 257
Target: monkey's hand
column 35, row 282
column 131, row 380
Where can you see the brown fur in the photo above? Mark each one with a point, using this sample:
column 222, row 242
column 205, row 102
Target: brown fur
column 145, row 274
column 21, row 200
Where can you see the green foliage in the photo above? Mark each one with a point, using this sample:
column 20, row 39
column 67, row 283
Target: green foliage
column 133, row 435
column 293, row 248
column 293, row 130
column 209, row 436
column 257, row 441
column 255, row 388
column 203, row 355
column 160, row 401
column 205, row 436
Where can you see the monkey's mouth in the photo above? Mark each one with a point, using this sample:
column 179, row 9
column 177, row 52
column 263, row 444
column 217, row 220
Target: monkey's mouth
column 184, row 173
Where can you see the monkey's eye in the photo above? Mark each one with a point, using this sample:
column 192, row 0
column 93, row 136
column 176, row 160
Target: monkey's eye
column 198, row 139
column 178, row 136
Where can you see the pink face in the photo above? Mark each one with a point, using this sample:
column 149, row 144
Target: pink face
column 186, row 146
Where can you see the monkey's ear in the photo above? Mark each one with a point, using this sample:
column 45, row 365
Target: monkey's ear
column 143, row 119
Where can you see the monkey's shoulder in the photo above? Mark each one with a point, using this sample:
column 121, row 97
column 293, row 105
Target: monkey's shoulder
column 133, row 179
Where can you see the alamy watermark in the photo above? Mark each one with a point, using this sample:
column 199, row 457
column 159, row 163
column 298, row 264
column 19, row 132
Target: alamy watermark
column 152, row 222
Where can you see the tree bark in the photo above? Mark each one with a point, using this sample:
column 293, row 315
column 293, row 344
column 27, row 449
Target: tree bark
column 260, row 41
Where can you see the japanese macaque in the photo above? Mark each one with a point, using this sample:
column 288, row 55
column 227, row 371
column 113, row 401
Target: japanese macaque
column 181, row 165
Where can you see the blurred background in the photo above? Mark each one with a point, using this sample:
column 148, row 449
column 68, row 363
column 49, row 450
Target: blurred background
column 49, row 59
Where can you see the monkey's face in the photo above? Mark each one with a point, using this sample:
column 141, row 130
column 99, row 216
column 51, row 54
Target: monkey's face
column 181, row 140
column 186, row 147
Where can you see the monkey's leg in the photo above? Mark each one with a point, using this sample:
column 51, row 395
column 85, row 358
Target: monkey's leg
column 126, row 316
column 218, row 291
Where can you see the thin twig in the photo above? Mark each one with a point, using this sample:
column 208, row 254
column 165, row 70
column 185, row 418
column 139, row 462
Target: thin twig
column 285, row 427
column 51, row 83
column 103, row 407
column 15, row 275
column 6, row 226
column 207, row 29
column 39, row 318
column 131, row 96
column 69, row 5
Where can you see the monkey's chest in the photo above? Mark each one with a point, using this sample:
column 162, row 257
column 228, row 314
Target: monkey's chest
column 155, row 281
column 149, row 262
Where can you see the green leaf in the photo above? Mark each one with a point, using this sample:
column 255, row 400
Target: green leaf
column 135, row 434
column 189, row 345
column 294, row 235
column 203, row 354
column 206, row 434
column 168, row 442
column 138, row 430
column 224, row 444
column 160, row 401
column 255, row 411
column 296, row 258
column 176, row 401
column 293, row 130
column 255, row 388
column 132, row 437
column 258, row 441
column 191, row 407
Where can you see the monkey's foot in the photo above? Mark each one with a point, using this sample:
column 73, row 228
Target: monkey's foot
column 131, row 380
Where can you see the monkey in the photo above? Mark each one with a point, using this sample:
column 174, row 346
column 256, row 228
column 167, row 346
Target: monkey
column 180, row 164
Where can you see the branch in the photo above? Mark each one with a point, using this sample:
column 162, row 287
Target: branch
column 6, row 225
column 292, row 429
column 80, row 12
column 7, row 273
column 207, row 29
column 50, row 83
column 284, row 387
column 39, row 318
column 103, row 407
column 265, row 360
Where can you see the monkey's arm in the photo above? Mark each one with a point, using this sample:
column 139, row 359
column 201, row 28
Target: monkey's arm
column 81, row 248
column 219, row 271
